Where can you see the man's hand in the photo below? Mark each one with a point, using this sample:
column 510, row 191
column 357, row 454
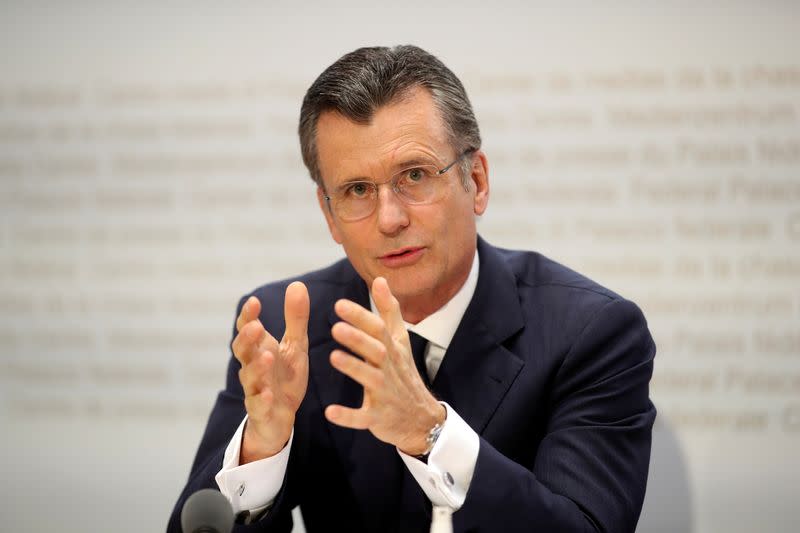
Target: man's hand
column 397, row 407
column 274, row 375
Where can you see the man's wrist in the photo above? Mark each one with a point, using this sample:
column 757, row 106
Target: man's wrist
column 254, row 448
column 431, row 430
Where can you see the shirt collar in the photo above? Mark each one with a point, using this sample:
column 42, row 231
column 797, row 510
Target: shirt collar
column 440, row 326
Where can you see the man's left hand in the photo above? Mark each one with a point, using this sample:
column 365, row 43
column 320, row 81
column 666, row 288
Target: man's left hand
column 397, row 407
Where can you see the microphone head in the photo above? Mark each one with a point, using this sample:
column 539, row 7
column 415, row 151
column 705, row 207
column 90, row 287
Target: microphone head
column 207, row 511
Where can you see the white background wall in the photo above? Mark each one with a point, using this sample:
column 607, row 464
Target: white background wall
column 150, row 175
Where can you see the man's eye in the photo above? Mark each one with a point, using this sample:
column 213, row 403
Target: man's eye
column 415, row 175
column 357, row 190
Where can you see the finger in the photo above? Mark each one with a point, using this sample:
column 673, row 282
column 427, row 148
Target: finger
column 362, row 373
column 347, row 416
column 259, row 406
column 358, row 342
column 296, row 310
column 250, row 311
column 361, row 318
column 388, row 307
column 254, row 376
column 251, row 336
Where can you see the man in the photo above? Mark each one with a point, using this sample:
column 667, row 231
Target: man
column 519, row 400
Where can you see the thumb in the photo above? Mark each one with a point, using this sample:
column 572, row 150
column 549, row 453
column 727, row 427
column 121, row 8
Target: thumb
column 296, row 308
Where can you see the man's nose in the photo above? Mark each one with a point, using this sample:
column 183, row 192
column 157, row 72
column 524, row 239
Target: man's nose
column 392, row 211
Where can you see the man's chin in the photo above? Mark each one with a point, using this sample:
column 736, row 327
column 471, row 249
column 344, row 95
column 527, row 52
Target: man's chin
column 405, row 292
column 405, row 284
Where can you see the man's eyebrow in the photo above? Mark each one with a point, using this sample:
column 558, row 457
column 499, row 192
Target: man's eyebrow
column 413, row 161
column 360, row 179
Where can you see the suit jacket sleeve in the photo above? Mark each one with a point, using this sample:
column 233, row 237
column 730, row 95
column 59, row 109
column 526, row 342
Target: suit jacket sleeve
column 590, row 470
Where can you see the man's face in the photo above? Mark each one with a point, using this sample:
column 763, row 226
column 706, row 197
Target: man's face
column 424, row 251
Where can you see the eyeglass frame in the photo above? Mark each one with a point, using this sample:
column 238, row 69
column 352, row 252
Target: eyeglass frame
column 395, row 189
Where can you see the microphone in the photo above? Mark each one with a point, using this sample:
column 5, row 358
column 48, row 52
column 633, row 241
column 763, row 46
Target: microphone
column 207, row 511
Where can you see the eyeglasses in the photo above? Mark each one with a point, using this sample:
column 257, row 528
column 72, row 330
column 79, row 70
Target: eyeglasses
column 416, row 185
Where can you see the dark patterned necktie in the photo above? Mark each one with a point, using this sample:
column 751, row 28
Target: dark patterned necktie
column 418, row 345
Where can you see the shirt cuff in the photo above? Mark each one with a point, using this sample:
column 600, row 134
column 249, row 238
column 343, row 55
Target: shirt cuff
column 446, row 477
column 254, row 486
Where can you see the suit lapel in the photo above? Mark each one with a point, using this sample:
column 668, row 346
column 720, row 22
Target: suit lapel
column 477, row 369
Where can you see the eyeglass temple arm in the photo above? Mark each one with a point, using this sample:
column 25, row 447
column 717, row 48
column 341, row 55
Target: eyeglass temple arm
column 459, row 158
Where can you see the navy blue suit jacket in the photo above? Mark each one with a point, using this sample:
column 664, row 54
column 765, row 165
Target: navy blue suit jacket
column 549, row 368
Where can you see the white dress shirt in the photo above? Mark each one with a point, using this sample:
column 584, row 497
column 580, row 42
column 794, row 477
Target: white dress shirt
column 445, row 478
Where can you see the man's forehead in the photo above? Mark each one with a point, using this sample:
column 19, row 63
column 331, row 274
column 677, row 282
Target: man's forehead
column 412, row 124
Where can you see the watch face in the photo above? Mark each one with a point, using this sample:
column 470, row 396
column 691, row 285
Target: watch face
column 433, row 436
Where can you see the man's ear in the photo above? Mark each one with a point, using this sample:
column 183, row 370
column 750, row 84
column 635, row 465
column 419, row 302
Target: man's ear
column 479, row 176
column 325, row 207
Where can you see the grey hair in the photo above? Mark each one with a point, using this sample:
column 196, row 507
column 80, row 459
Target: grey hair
column 362, row 81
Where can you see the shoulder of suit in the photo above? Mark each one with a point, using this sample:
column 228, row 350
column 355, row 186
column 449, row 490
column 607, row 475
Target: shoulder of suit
column 551, row 293
column 537, row 271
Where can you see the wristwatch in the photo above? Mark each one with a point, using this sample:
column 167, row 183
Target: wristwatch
column 430, row 441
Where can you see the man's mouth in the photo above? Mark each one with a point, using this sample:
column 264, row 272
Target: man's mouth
column 402, row 252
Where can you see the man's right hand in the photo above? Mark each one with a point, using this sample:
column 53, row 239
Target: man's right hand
column 274, row 375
